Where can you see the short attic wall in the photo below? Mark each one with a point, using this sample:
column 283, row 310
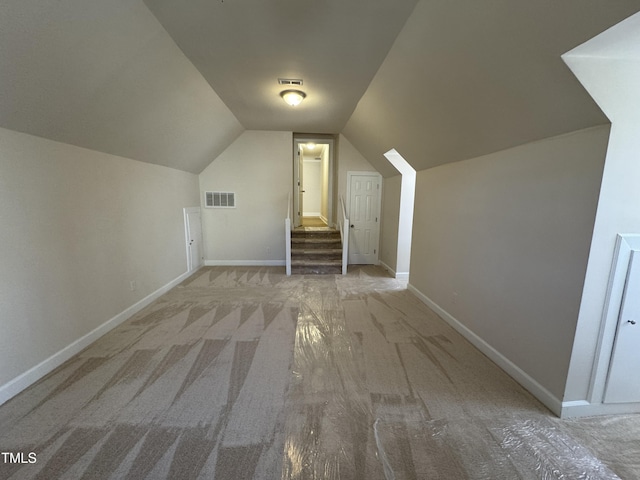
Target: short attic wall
column 500, row 247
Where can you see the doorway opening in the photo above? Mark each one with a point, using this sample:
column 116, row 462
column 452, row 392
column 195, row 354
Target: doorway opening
column 313, row 181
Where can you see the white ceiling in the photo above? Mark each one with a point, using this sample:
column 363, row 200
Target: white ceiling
column 177, row 82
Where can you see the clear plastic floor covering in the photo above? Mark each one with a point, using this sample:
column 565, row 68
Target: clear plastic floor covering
column 245, row 373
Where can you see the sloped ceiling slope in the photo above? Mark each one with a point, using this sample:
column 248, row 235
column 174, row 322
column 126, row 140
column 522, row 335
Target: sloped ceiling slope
column 105, row 75
column 468, row 78
column 242, row 47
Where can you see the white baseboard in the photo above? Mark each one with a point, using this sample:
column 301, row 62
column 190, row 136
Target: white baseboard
column 404, row 276
column 583, row 408
column 244, row 263
column 28, row 378
column 545, row 396
column 388, row 268
column 311, row 214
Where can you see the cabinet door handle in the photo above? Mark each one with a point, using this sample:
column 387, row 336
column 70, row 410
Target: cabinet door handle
column 632, row 322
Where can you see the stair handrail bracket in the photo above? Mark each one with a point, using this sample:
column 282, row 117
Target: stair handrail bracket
column 287, row 236
column 344, row 235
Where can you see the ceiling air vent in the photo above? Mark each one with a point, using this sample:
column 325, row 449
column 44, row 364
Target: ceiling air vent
column 219, row 199
column 290, row 81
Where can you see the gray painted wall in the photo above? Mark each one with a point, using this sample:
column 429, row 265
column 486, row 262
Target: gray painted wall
column 258, row 167
column 501, row 242
column 107, row 76
column 77, row 227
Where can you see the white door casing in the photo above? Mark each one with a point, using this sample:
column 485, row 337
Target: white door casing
column 193, row 236
column 364, row 216
column 299, row 186
column 298, row 177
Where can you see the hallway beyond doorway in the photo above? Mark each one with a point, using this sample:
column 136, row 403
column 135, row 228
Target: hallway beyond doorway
column 313, row 222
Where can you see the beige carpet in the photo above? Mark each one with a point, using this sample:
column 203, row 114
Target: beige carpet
column 244, row 373
column 313, row 222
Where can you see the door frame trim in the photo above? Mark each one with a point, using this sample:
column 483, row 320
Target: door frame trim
column 186, row 211
column 318, row 138
column 350, row 175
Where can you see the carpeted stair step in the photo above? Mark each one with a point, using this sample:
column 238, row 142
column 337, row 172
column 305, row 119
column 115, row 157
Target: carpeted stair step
column 315, row 266
column 316, row 251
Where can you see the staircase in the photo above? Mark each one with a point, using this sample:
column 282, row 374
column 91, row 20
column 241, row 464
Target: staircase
column 316, row 251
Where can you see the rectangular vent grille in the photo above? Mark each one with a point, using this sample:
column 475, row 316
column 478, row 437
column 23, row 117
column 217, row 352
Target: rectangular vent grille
column 290, row 81
column 219, row 199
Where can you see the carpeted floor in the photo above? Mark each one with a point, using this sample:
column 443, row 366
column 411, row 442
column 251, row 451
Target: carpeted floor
column 313, row 222
column 242, row 373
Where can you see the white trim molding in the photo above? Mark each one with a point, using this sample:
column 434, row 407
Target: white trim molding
column 545, row 396
column 582, row 408
column 403, row 276
column 31, row 376
column 388, row 268
column 244, row 263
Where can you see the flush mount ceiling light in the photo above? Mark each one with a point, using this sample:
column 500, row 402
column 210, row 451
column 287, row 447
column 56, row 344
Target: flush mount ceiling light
column 293, row 97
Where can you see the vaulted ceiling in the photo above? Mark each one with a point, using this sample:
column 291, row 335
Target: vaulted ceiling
column 242, row 47
column 174, row 83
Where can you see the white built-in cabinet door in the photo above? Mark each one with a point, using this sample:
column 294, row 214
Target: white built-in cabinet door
column 623, row 382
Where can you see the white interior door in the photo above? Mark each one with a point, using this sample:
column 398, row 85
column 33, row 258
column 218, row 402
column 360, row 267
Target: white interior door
column 364, row 216
column 623, row 383
column 312, row 186
column 193, row 227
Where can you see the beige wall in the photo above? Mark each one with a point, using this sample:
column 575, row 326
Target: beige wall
column 258, row 167
column 389, row 225
column 77, row 227
column 500, row 243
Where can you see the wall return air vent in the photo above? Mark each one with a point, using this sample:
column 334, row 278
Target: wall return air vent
column 219, row 199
